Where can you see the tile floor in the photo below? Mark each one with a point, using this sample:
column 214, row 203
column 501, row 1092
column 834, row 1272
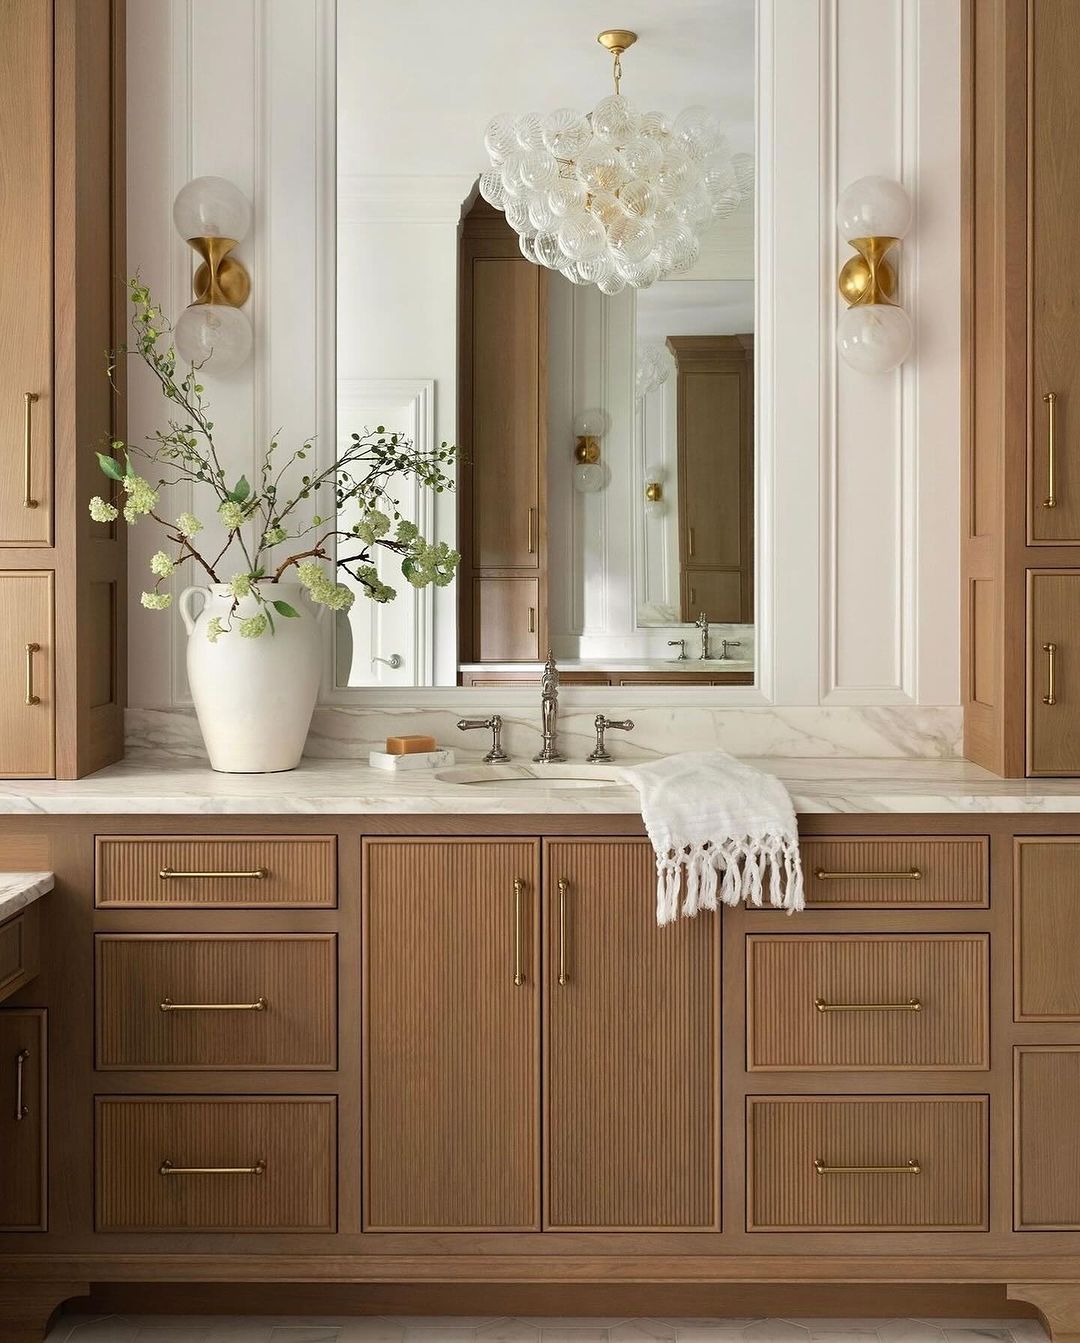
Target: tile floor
column 413, row 1329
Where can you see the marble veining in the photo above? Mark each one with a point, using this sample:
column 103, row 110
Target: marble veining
column 19, row 889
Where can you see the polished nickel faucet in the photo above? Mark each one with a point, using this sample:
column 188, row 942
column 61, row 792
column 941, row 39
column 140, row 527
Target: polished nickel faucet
column 494, row 725
column 702, row 623
column 549, row 712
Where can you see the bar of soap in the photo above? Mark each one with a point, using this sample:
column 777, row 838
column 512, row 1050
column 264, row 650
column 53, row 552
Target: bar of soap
column 410, row 745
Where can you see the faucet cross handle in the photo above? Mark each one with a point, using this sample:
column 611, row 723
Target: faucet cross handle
column 600, row 754
column 725, row 644
column 494, row 723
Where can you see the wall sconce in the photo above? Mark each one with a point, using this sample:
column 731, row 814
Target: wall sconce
column 655, row 503
column 589, row 428
column 212, row 216
column 874, row 334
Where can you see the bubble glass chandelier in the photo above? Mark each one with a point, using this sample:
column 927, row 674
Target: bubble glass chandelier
column 615, row 197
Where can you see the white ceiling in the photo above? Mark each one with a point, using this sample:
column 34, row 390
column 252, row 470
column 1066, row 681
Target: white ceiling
column 695, row 308
column 418, row 80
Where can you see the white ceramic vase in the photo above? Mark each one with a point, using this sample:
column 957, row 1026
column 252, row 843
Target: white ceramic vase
column 254, row 697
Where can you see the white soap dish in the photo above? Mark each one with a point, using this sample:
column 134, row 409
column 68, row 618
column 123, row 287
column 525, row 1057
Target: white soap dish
column 417, row 760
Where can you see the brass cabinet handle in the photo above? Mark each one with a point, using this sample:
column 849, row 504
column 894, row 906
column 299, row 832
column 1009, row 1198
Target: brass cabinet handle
column 532, row 619
column 1051, row 447
column 564, row 977
column 256, row 874
column 31, row 697
column 167, row 1168
column 532, row 533
column 693, row 597
column 259, row 1005
column 21, row 1110
column 1051, row 674
column 690, row 543
column 519, row 970
column 28, row 449
column 911, row 1005
column 912, row 874
column 910, row 1168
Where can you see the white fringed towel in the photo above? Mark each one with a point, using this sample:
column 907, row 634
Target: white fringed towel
column 730, row 828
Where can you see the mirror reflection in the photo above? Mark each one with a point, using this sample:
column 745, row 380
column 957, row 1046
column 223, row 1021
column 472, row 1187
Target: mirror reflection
column 545, row 256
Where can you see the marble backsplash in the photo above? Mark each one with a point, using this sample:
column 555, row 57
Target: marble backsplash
column 896, row 732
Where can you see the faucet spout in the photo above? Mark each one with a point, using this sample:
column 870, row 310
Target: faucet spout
column 702, row 623
column 549, row 713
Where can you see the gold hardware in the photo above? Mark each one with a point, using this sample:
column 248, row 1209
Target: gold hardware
column 869, row 277
column 654, row 492
column 28, row 449
column 167, row 1168
column 690, row 542
column 912, row 874
column 259, row 1005
column 221, row 278
column 564, row 977
column 912, row 1005
column 617, row 40
column 21, row 1110
column 587, row 451
column 1051, row 433
column 693, row 596
column 31, row 698
column 519, row 972
column 532, row 534
column 256, row 874
column 532, row 619
column 1051, row 673
column 910, row 1168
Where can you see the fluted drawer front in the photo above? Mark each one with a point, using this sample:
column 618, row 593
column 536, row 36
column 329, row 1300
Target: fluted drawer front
column 888, row 1163
column 897, row 872
column 202, row 1163
column 200, row 1001
column 227, row 871
column 867, row 1002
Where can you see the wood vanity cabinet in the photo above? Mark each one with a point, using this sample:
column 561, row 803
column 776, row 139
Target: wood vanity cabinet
column 23, row 1127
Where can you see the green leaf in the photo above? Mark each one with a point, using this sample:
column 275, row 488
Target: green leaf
column 284, row 609
column 240, row 490
column 110, row 466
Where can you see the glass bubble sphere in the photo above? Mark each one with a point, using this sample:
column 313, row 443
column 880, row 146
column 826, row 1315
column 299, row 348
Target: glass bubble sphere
column 566, row 133
column 873, row 207
column 641, row 157
column 542, row 217
column 527, row 244
column 745, row 172
column 548, row 251
column 492, row 189
column 581, row 236
column 592, row 423
column 500, row 138
column 639, row 198
column 567, row 194
column 213, row 337
column 598, row 268
column 697, row 130
column 611, row 284
column 211, row 207
column 529, row 130
column 588, row 477
column 538, row 170
column 615, row 120
column 631, row 239
column 874, row 337
column 601, row 169
column 655, row 125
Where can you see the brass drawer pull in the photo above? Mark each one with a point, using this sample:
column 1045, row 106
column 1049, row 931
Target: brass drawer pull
column 1051, row 674
column 1051, row 448
column 911, row 1168
column 256, row 874
column 912, row 874
column 259, row 1005
column 532, row 534
column 519, row 972
column 532, row 619
column 912, row 1005
column 21, row 1110
column 690, row 543
column 28, row 449
column 31, row 697
column 564, row 975
column 167, row 1168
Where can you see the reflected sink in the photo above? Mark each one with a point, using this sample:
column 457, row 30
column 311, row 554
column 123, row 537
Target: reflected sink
column 533, row 777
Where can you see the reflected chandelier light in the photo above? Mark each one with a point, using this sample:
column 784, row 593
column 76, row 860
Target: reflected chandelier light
column 616, row 197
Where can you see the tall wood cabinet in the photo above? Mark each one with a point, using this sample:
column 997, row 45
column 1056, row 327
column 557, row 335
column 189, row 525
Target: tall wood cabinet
column 61, row 296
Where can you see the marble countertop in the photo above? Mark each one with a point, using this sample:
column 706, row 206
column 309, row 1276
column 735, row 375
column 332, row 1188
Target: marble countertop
column 177, row 786
column 19, row 889
column 691, row 663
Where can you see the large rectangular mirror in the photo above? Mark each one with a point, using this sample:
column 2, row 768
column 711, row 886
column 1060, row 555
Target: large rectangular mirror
column 560, row 281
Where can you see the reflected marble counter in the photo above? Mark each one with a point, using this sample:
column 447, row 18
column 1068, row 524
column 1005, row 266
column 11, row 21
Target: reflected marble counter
column 177, row 786
column 19, row 889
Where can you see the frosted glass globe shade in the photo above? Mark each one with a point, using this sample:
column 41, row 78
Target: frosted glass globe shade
column 213, row 336
column 588, row 477
column 211, row 207
column 874, row 337
column 873, row 207
column 591, row 424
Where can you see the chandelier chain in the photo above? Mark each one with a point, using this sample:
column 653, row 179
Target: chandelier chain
column 617, row 68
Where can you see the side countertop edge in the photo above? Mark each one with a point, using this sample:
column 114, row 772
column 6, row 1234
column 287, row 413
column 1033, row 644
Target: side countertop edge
column 19, row 889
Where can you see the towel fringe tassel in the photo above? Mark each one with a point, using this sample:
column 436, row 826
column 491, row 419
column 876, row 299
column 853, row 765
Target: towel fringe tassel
column 759, row 870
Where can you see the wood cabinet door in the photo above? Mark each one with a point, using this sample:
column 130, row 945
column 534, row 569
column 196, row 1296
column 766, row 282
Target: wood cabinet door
column 1054, row 131
column 26, row 97
column 23, row 1072
column 632, row 1032
column 451, row 1035
column 1047, row 1091
column 507, row 619
column 1047, row 926
column 27, row 708
column 717, row 592
column 1053, row 673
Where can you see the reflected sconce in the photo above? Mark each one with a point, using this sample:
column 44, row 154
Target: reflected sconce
column 212, row 216
column 874, row 335
column 655, row 504
column 589, row 474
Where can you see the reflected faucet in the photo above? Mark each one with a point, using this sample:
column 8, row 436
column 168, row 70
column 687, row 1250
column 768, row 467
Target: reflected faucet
column 702, row 623
column 549, row 712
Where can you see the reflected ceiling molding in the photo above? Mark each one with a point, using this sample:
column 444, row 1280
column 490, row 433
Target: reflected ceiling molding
column 419, row 199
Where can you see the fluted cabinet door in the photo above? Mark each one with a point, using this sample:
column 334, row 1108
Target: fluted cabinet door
column 452, row 1035
column 27, row 699
column 632, row 1047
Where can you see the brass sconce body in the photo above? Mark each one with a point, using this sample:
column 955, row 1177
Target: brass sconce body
column 654, row 492
column 587, row 451
column 221, row 278
column 869, row 277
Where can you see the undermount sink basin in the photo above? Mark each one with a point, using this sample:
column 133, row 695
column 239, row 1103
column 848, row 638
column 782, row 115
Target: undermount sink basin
column 538, row 777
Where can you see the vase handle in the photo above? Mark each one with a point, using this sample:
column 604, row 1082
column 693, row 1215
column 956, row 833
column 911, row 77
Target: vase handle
column 184, row 606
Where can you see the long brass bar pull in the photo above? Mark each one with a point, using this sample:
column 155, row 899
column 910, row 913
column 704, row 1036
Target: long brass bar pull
column 909, row 1168
column 564, row 975
column 690, row 543
column 532, row 531
column 911, row 1005
column 519, row 968
column 167, row 1168
column 256, row 874
column 21, row 1109
column 259, row 1005
column 28, row 449
column 912, row 874
column 1051, row 673
column 1051, row 450
column 31, row 697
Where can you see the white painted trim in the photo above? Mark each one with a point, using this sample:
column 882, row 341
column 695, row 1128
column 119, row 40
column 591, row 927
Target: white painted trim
column 412, row 200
